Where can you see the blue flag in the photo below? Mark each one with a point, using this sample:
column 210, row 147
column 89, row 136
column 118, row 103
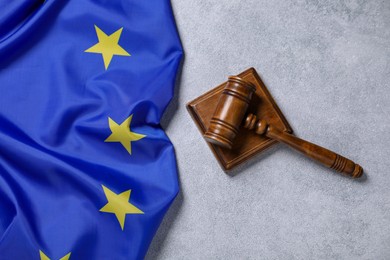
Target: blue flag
column 86, row 172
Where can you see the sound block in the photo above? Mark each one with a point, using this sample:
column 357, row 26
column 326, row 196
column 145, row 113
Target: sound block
column 247, row 144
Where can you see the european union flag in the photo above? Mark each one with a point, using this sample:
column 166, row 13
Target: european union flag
column 86, row 172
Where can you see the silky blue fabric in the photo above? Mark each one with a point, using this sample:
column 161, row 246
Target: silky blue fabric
column 55, row 101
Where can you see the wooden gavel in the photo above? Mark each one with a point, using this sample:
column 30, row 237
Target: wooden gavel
column 230, row 113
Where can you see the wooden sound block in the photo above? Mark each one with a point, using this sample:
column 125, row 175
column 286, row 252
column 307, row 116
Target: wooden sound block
column 247, row 143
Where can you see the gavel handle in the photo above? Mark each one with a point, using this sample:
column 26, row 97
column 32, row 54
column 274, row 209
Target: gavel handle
column 316, row 152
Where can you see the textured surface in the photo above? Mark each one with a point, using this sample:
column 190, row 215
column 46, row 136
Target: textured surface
column 282, row 205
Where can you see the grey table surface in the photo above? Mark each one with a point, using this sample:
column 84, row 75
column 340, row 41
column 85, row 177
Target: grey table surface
column 326, row 63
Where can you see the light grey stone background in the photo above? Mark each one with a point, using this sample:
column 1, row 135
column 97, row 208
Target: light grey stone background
column 326, row 63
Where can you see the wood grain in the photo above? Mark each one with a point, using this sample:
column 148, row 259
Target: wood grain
column 247, row 143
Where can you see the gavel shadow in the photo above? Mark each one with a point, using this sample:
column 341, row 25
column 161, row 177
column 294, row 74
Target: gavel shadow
column 364, row 178
column 299, row 157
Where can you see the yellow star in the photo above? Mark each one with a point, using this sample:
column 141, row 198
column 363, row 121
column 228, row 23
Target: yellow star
column 119, row 205
column 122, row 133
column 108, row 46
column 44, row 257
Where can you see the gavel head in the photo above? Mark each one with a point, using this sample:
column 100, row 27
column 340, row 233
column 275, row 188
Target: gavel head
column 230, row 111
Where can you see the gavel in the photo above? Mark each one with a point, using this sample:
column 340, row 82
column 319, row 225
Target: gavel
column 231, row 113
